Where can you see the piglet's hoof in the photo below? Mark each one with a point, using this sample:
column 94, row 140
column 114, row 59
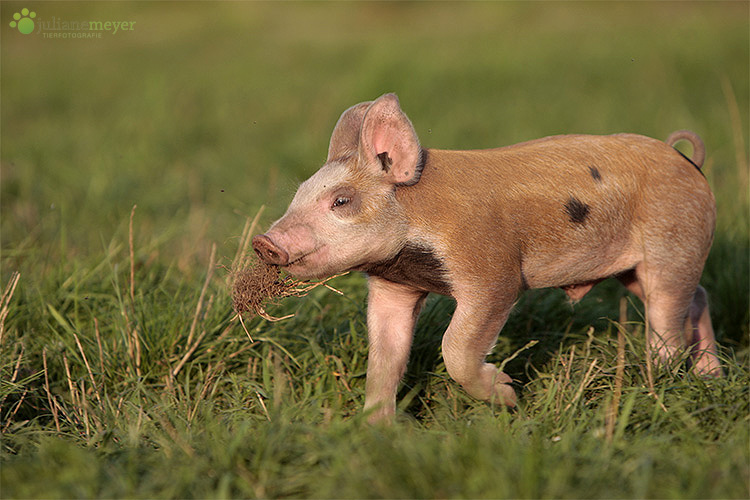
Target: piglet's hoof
column 503, row 391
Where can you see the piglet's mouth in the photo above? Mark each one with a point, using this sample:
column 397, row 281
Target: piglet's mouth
column 301, row 260
column 297, row 262
column 302, row 265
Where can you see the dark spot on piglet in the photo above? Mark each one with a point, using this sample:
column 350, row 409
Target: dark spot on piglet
column 577, row 210
column 595, row 173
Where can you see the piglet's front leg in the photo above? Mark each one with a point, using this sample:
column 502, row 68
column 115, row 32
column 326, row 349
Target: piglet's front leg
column 470, row 336
column 392, row 312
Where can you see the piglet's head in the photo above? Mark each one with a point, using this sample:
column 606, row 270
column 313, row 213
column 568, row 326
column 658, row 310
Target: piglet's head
column 346, row 215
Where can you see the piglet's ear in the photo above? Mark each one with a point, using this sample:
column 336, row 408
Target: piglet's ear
column 388, row 142
column 345, row 137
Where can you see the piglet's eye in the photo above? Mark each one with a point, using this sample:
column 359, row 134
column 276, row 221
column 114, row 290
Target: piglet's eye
column 341, row 200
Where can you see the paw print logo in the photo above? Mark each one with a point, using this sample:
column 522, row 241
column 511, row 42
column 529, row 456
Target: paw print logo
column 24, row 21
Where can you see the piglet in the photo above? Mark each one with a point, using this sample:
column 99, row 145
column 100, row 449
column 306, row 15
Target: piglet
column 482, row 226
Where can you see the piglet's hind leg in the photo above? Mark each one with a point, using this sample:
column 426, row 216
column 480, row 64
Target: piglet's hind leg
column 701, row 338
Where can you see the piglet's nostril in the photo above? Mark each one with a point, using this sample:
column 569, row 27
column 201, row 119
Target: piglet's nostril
column 269, row 252
column 271, row 256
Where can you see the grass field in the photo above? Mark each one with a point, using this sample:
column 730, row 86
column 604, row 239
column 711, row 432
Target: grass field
column 132, row 162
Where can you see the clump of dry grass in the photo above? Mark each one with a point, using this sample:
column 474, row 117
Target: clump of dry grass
column 258, row 284
column 253, row 286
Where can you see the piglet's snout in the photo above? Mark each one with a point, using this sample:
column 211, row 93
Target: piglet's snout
column 269, row 252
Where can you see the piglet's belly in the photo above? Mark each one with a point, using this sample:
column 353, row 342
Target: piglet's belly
column 576, row 271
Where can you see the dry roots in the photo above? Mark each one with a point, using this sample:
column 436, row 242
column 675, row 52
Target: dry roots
column 258, row 283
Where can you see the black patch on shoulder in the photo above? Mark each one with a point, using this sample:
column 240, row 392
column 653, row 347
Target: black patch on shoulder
column 595, row 173
column 415, row 266
column 577, row 210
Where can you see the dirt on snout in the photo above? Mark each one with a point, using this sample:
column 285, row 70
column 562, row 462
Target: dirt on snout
column 259, row 284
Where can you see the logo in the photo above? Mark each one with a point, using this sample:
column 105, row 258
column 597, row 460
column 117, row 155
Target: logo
column 23, row 21
column 27, row 23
